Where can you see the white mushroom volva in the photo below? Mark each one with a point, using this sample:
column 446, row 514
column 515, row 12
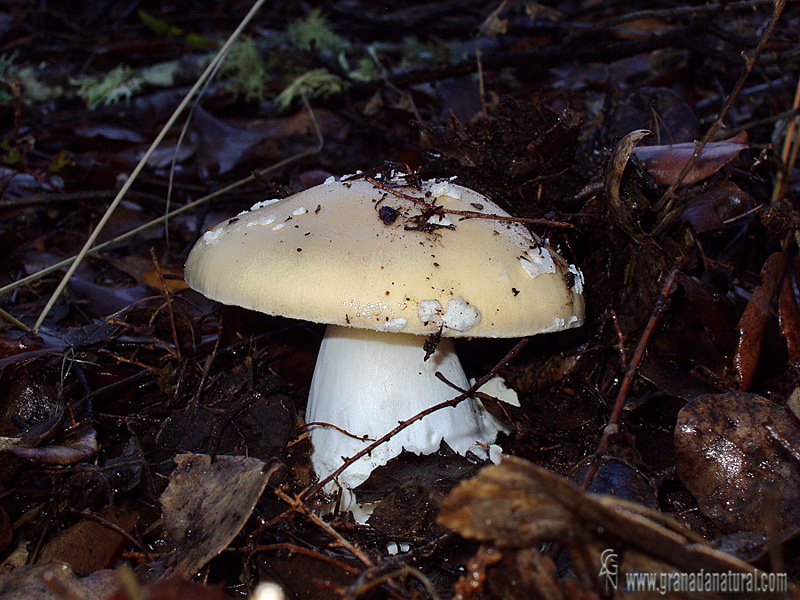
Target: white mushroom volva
column 384, row 269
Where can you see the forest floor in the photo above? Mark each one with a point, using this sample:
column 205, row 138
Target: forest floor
column 152, row 442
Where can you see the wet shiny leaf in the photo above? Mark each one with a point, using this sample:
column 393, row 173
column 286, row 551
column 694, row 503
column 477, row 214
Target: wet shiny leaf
column 616, row 477
column 31, row 409
column 737, row 454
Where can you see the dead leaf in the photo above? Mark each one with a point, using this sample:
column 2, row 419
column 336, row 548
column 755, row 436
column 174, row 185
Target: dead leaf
column 613, row 180
column 102, row 300
column 665, row 163
column 107, row 131
column 730, row 449
column 222, row 146
column 618, row 478
column 789, row 315
column 711, row 309
column 753, row 321
column 88, row 545
column 114, row 476
column 30, row 409
column 206, row 504
column 172, row 277
column 517, row 505
column 657, row 109
column 711, row 209
column 80, row 443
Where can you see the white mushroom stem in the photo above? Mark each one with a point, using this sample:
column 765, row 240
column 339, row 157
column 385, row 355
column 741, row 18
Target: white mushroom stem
column 366, row 382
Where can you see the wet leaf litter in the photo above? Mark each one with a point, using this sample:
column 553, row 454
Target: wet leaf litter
column 154, row 441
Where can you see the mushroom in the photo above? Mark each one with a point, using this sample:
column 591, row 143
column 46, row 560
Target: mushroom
column 384, row 264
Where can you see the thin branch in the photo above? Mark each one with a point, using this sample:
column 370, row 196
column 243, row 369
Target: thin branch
column 466, row 214
column 168, row 297
column 298, row 505
column 665, row 203
column 14, row 321
column 295, row 549
column 342, row 430
column 613, row 421
column 401, row 571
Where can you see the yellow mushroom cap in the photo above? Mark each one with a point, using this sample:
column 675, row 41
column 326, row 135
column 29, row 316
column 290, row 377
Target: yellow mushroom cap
column 352, row 253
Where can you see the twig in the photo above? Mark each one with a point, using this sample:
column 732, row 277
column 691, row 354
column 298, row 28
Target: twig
column 613, row 421
column 168, row 296
column 408, row 422
column 342, row 430
column 621, row 339
column 467, row 214
column 298, row 505
column 402, row 571
column 139, row 167
column 665, row 203
column 295, row 549
column 54, row 197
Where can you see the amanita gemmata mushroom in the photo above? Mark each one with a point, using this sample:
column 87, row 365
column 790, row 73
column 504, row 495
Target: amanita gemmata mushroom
column 384, row 264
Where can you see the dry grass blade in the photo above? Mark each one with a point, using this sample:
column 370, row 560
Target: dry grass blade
column 789, row 152
column 316, row 149
column 138, row 169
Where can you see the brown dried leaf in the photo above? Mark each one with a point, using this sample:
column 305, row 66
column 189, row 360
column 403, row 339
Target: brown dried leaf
column 170, row 588
column 613, row 180
column 789, row 316
column 508, row 505
column 710, row 210
column 730, row 449
column 665, row 163
column 517, row 504
column 206, row 504
column 88, row 545
column 753, row 321
column 172, row 277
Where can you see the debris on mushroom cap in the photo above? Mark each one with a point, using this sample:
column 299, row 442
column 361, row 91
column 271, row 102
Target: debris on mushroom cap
column 458, row 316
column 388, row 256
